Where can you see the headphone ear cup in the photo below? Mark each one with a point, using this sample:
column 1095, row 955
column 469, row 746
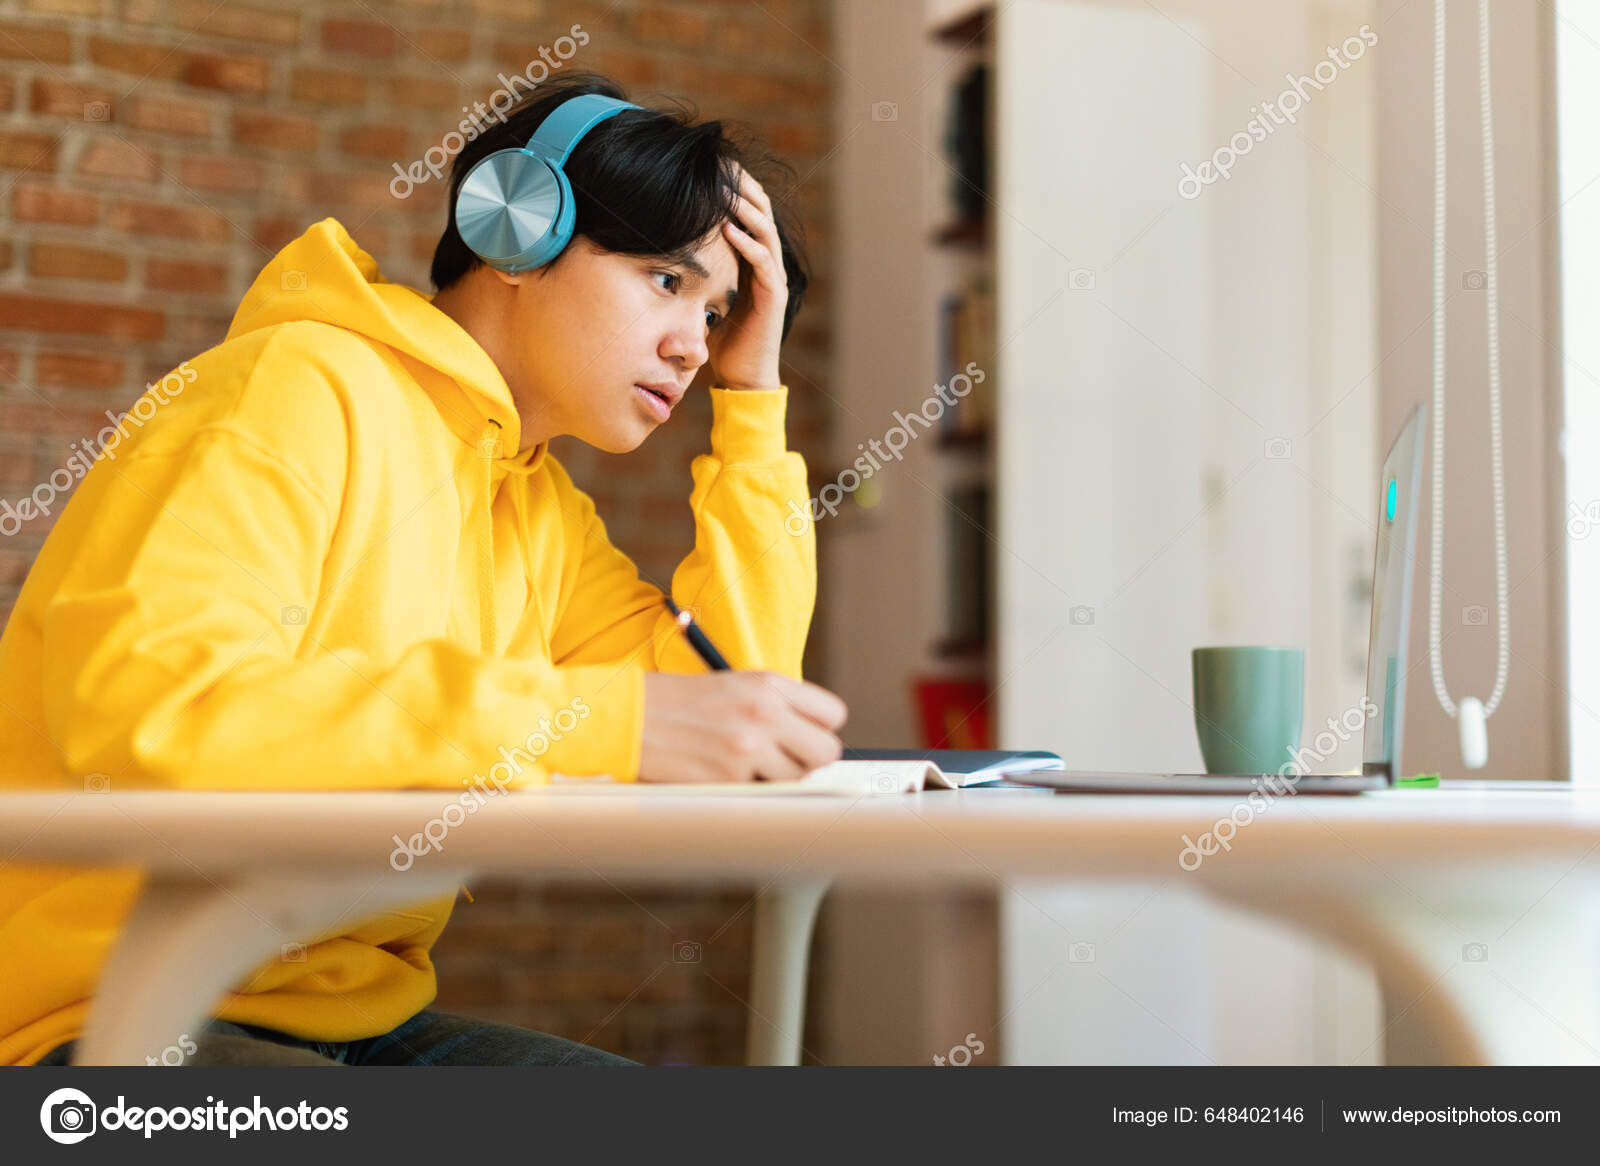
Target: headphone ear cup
column 514, row 210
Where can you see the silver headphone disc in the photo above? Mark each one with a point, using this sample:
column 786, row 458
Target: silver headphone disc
column 507, row 203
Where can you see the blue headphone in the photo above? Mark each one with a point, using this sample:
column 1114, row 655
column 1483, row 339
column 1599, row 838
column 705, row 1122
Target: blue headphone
column 514, row 209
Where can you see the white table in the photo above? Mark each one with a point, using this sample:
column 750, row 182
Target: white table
column 1407, row 879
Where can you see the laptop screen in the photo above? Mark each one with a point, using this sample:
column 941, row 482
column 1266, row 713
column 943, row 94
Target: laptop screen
column 1399, row 488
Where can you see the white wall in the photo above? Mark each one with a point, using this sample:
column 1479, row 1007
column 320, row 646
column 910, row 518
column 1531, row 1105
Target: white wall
column 1139, row 416
column 1145, row 408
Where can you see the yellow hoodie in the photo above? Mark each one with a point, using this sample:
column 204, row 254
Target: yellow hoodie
column 307, row 566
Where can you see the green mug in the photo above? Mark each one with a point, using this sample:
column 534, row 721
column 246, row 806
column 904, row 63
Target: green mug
column 1249, row 703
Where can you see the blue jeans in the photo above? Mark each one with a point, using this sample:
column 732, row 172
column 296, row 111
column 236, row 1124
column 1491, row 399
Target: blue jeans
column 428, row 1038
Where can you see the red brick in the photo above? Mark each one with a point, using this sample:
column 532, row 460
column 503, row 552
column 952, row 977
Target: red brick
column 5, row 254
column 610, row 938
column 77, row 370
column 438, row 97
column 657, row 24
column 28, row 151
column 188, row 118
column 69, row 7
column 109, row 158
column 90, row 103
column 560, row 985
column 16, row 461
column 516, row 56
column 194, row 333
column 441, row 44
column 40, row 524
column 367, row 38
column 275, row 232
column 327, row 87
column 193, row 223
column 797, row 93
column 369, row 189
column 500, row 937
column 376, row 141
column 274, row 131
column 801, row 140
column 467, row 990
column 238, row 21
column 15, row 563
column 628, row 68
column 738, row 39
column 66, row 261
column 10, row 364
column 373, row 240
column 39, row 417
column 23, row 42
column 222, row 172
column 191, row 278
column 8, row 94
column 143, row 59
column 45, row 314
column 763, row 88
column 233, row 74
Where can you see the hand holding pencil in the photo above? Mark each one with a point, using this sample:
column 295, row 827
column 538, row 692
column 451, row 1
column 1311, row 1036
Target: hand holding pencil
column 731, row 725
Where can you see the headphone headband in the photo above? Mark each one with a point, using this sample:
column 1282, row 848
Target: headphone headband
column 569, row 121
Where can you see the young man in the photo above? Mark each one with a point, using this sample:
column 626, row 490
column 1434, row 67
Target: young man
column 335, row 554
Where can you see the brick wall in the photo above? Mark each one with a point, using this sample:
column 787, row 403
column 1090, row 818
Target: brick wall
column 155, row 153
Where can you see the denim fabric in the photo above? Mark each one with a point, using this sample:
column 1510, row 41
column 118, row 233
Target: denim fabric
column 428, row 1038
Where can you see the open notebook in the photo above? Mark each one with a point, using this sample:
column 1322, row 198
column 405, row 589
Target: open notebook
column 878, row 772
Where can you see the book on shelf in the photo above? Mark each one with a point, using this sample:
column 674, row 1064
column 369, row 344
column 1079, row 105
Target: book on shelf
column 966, row 141
column 952, row 712
column 967, row 559
column 965, row 352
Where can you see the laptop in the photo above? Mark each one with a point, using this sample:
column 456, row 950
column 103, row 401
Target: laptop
column 1398, row 491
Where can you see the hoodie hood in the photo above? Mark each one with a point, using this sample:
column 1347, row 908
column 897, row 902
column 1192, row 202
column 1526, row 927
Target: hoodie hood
column 324, row 276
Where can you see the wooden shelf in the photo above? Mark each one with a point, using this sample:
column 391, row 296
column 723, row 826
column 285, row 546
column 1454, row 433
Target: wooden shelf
column 976, row 440
column 963, row 233
column 963, row 649
column 969, row 30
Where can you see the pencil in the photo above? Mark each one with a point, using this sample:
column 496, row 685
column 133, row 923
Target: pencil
column 698, row 640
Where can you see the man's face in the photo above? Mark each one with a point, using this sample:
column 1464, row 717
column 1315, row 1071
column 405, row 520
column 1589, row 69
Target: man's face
column 594, row 327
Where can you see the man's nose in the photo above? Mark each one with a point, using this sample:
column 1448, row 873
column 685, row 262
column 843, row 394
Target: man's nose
column 688, row 344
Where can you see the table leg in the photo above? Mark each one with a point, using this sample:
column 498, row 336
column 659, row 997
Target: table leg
column 1490, row 980
column 188, row 939
column 785, row 916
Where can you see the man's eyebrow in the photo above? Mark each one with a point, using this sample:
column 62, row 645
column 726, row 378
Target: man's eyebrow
column 684, row 258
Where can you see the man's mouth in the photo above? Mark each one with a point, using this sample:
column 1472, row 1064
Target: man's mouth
column 657, row 403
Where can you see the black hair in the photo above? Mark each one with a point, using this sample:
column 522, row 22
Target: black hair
column 646, row 182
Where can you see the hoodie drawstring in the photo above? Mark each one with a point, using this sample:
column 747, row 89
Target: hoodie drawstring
column 488, row 450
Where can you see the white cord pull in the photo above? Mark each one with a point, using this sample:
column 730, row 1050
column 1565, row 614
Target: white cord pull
column 1472, row 714
column 1474, row 733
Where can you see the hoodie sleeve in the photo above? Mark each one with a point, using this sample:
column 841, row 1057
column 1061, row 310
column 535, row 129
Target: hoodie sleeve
column 751, row 579
column 175, row 657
